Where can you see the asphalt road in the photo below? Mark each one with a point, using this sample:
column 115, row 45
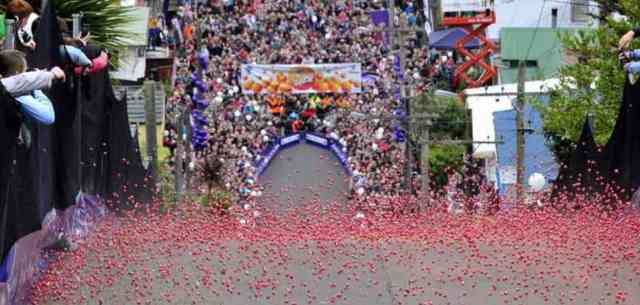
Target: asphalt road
column 304, row 174
column 167, row 263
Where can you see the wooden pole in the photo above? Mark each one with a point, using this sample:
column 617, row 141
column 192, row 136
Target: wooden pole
column 398, row 38
column 520, row 141
column 425, row 141
column 179, row 154
column 151, row 127
column 188, row 149
column 436, row 14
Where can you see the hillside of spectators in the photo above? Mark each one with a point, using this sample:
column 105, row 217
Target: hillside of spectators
column 227, row 34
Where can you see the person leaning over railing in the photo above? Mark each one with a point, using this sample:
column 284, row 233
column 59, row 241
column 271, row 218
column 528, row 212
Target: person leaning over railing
column 25, row 86
column 74, row 49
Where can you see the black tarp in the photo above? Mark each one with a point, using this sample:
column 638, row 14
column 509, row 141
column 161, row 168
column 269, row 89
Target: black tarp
column 620, row 160
column 578, row 174
column 120, row 176
column 45, row 174
column 10, row 121
column 38, row 168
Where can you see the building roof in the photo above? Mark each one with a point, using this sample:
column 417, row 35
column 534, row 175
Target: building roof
column 447, row 39
column 538, row 86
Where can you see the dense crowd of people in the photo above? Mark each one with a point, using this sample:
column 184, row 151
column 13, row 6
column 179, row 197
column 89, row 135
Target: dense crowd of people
column 443, row 68
column 227, row 34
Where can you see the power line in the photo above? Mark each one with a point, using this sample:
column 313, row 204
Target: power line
column 535, row 32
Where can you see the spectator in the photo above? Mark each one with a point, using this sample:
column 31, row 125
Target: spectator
column 296, row 32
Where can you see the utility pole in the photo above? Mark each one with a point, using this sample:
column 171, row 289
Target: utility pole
column 520, row 132
column 435, row 6
column 181, row 139
column 424, row 142
column 149, row 88
column 399, row 38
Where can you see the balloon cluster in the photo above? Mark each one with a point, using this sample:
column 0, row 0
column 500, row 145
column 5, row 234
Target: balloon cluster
column 199, row 121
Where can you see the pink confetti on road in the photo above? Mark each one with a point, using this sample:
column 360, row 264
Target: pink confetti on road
column 327, row 255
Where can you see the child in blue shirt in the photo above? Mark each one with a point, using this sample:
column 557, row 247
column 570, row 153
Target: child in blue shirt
column 25, row 87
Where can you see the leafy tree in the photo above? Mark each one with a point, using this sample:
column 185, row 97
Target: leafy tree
column 445, row 159
column 105, row 19
column 452, row 123
column 593, row 84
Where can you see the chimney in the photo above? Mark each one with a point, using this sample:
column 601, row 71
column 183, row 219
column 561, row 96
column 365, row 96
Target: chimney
column 554, row 18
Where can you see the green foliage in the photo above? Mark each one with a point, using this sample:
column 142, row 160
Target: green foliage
column 443, row 160
column 593, row 84
column 105, row 19
column 452, row 122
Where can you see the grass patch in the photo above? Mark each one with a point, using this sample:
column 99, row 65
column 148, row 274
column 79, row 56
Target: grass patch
column 163, row 152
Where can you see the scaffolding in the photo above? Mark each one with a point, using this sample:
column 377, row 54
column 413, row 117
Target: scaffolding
column 476, row 23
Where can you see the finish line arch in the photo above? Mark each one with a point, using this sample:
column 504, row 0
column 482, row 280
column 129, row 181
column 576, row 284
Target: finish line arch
column 304, row 168
column 326, row 143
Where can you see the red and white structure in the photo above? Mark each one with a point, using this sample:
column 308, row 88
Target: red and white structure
column 475, row 16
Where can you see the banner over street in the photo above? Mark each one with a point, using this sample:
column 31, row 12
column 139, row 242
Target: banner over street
column 301, row 79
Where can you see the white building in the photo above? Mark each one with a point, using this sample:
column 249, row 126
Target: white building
column 133, row 59
column 483, row 103
column 528, row 13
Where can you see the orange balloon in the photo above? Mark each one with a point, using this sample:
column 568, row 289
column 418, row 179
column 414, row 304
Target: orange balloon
column 324, row 86
column 248, row 85
column 281, row 77
column 332, row 86
column 285, row 87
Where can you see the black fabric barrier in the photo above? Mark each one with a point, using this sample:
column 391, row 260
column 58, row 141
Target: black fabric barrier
column 620, row 159
column 42, row 175
column 616, row 170
column 579, row 175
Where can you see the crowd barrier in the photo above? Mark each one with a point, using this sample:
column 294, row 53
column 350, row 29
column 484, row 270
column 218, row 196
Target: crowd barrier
column 327, row 143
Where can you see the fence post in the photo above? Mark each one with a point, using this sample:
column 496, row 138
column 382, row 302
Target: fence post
column 179, row 154
column 188, row 152
column 149, row 88
column 10, row 34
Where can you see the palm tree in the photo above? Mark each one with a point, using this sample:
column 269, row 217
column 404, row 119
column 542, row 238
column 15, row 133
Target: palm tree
column 105, row 19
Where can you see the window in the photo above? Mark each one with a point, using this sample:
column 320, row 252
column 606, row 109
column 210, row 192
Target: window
column 528, row 63
column 580, row 10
